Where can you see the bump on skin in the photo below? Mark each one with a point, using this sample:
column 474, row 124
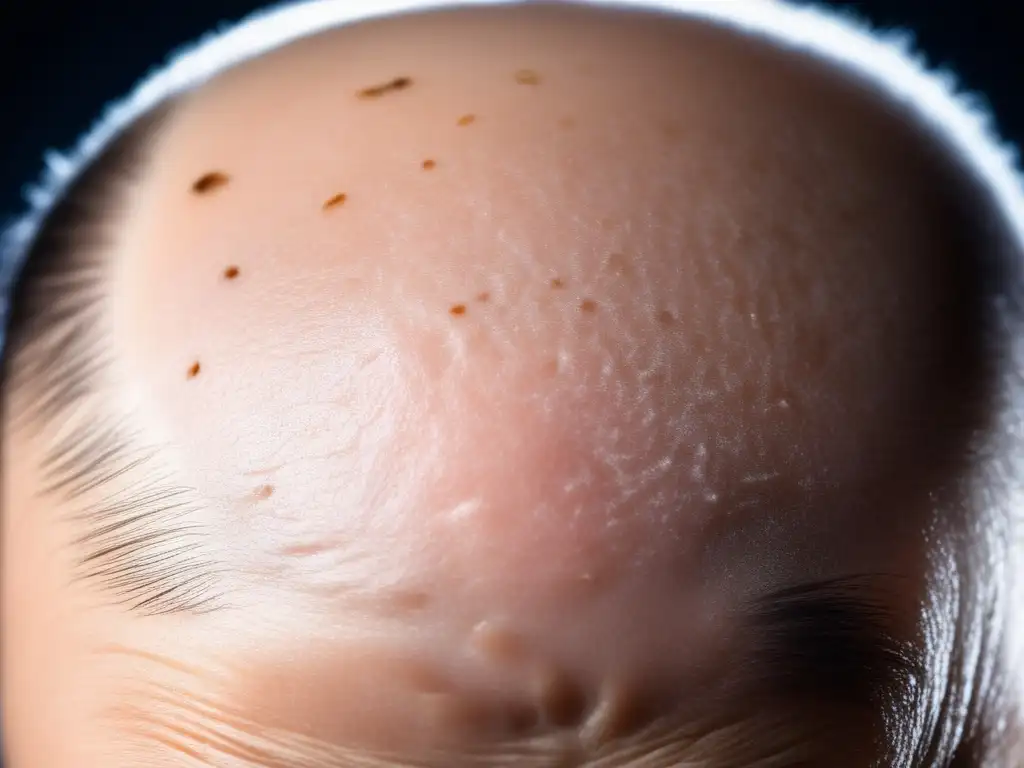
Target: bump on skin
column 376, row 91
column 497, row 643
column 210, row 182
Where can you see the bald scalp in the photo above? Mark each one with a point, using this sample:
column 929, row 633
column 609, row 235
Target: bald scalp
column 656, row 302
column 472, row 330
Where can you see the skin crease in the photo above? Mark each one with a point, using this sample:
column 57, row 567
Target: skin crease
column 646, row 338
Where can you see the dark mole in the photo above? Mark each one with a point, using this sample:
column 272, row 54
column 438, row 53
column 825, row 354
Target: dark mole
column 374, row 91
column 458, row 309
column 231, row 272
column 666, row 318
column 483, row 296
column 209, row 182
column 466, row 119
column 527, row 77
column 429, row 165
column 263, row 492
column 588, row 305
column 338, row 199
column 557, row 283
column 193, row 370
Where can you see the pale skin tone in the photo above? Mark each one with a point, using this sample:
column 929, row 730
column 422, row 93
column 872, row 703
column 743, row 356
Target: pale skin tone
column 500, row 388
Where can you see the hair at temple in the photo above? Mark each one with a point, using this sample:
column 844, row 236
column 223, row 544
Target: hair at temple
column 127, row 541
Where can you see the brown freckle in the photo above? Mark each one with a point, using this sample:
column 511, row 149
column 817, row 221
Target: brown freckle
column 466, row 120
column 336, row 200
column 209, row 182
column 567, row 123
column 483, row 297
column 557, row 283
column 527, row 77
column 375, row 91
column 230, row 273
column 193, row 370
column 263, row 492
column 666, row 318
column 588, row 305
column 550, row 368
column 429, row 165
column 408, row 600
column 458, row 309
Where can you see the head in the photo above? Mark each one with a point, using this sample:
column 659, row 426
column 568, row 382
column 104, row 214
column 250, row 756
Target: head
column 520, row 384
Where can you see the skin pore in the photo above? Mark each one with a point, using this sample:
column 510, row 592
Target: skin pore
column 535, row 385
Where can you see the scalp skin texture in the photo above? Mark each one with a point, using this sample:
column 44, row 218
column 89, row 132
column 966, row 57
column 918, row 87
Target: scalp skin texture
column 533, row 384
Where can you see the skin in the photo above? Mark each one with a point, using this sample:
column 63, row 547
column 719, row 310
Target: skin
column 667, row 324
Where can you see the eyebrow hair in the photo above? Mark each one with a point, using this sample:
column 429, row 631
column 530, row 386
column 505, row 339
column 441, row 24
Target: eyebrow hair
column 827, row 648
column 132, row 540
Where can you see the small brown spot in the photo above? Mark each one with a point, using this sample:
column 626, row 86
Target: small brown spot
column 550, row 368
column 230, row 273
column 409, row 600
column 567, row 123
column 335, row 201
column 263, row 492
column 466, row 120
column 208, row 182
column 527, row 77
column 483, row 297
column 666, row 318
column 375, row 91
column 588, row 305
column 193, row 370
column 557, row 283
column 458, row 309
column 429, row 165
